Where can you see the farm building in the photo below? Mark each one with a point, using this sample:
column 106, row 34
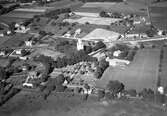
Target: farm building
column 101, row 35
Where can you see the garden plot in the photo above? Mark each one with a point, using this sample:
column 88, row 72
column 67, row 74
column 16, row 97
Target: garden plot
column 93, row 20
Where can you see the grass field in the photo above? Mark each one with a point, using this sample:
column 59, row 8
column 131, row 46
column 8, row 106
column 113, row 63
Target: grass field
column 141, row 73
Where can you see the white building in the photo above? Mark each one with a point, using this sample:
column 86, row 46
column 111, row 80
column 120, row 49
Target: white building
column 28, row 43
column 80, row 45
column 115, row 62
column 117, row 53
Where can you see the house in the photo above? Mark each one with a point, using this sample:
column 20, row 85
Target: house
column 80, row 45
column 115, row 62
column 28, row 43
column 117, row 53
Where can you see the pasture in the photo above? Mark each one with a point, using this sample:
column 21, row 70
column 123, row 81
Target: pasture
column 141, row 73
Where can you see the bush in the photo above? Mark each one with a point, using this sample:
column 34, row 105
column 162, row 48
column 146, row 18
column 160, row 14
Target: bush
column 147, row 93
column 151, row 33
column 132, row 92
column 60, row 79
column 101, row 94
column 60, row 88
column 115, row 87
column 109, row 96
column 98, row 73
column 102, row 65
column 2, row 74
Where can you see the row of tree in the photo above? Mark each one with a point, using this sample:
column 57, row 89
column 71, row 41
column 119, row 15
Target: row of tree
column 99, row 45
column 73, row 59
column 102, row 65
column 53, row 84
column 57, row 12
column 6, row 10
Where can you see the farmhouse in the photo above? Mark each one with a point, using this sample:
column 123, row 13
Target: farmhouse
column 101, row 35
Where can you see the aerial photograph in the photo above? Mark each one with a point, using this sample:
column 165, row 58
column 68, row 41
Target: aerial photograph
column 83, row 57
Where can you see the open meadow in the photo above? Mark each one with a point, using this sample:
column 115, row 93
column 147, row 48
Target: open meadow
column 141, row 73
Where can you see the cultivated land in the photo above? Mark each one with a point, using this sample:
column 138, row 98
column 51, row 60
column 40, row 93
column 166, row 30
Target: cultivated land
column 141, row 73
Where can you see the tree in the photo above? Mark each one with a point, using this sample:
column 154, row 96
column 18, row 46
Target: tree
column 115, row 86
column 132, row 92
column 88, row 49
column 103, row 14
column 99, row 45
column 103, row 64
column 101, row 94
column 60, row 88
column 2, row 73
column 60, row 79
column 98, row 73
column 147, row 93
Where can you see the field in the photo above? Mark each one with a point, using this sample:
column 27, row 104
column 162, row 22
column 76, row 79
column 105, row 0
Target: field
column 93, row 20
column 159, row 15
column 90, row 9
column 15, row 40
column 99, row 4
column 8, row 20
column 31, row 104
column 101, row 34
column 65, row 4
column 163, row 73
column 131, row 7
column 141, row 73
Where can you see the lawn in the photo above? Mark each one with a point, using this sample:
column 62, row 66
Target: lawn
column 141, row 73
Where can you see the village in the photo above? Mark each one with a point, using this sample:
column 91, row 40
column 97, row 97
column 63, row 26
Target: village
column 107, row 50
